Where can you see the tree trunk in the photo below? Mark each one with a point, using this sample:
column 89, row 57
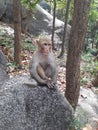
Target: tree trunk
column 17, row 31
column 65, row 29
column 76, row 42
column 95, row 81
column 53, row 27
column 29, row 16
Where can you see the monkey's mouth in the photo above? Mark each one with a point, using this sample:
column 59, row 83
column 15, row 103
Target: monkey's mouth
column 45, row 53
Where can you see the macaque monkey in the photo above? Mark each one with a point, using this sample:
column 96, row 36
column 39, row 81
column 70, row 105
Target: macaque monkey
column 43, row 66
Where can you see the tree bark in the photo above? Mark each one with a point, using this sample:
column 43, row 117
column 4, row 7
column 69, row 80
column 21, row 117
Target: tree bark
column 76, row 42
column 65, row 29
column 29, row 16
column 17, row 31
column 95, row 81
column 53, row 27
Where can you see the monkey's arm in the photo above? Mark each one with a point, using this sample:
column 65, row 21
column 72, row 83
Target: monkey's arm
column 54, row 75
column 34, row 74
column 52, row 72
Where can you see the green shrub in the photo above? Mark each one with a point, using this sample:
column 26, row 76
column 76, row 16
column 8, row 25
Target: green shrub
column 79, row 120
column 89, row 68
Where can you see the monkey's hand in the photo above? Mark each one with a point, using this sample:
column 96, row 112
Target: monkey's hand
column 51, row 84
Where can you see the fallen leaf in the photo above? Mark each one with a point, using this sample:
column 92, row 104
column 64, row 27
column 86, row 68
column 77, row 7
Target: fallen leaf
column 88, row 127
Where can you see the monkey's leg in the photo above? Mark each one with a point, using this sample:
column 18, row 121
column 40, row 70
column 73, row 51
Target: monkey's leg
column 42, row 75
column 34, row 74
column 41, row 72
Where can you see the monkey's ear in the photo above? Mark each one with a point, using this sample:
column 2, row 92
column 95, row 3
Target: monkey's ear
column 35, row 41
column 38, row 42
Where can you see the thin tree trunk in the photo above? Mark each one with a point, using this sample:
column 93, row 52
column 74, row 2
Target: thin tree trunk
column 53, row 28
column 76, row 43
column 65, row 29
column 95, row 81
column 29, row 16
column 17, row 31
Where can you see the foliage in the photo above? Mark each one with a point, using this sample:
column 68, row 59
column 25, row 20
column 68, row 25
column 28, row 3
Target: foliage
column 7, row 45
column 79, row 120
column 61, row 4
column 5, row 41
column 89, row 68
column 30, row 4
column 93, row 22
column 28, row 46
column 91, row 65
column 94, row 11
column 61, row 8
column 13, row 65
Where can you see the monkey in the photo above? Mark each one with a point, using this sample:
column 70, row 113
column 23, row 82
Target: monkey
column 43, row 67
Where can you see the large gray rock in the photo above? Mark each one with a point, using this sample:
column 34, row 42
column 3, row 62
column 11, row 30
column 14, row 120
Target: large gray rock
column 3, row 68
column 3, row 61
column 88, row 107
column 24, row 106
column 3, row 76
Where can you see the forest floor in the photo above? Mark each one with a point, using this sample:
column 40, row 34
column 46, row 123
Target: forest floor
column 87, row 91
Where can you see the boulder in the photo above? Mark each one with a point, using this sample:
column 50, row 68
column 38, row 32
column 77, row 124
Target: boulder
column 25, row 106
column 45, row 6
column 3, row 68
column 87, row 109
column 3, row 61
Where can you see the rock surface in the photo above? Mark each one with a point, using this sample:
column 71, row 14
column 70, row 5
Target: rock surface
column 24, row 106
column 88, row 107
column 3, row 68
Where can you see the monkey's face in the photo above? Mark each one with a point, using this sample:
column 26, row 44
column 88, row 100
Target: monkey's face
column 45, row 46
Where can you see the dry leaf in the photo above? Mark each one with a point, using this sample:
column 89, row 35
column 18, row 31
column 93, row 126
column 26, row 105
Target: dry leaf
column 88, row 127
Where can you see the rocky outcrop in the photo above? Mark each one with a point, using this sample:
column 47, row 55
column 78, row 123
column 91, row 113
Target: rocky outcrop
column 38, row 22
column 25, row 106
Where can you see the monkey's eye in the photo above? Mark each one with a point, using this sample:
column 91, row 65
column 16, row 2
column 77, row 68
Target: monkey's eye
column 49, row 44
column 45, row 44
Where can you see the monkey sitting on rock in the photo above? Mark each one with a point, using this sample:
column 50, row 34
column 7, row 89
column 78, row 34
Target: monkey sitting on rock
column 43, row 67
